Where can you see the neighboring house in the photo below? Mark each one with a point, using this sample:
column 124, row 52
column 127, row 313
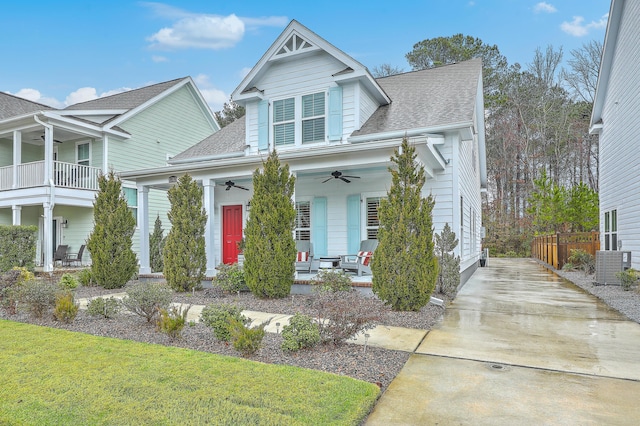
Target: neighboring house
column 615, row 119
column 337, row 128
column 50, row 159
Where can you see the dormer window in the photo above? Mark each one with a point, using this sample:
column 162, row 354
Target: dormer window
column 284, row 122
column 299, row 120
column 313, row 114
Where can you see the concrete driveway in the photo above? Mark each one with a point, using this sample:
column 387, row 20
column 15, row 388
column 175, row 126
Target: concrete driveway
column 520, row 345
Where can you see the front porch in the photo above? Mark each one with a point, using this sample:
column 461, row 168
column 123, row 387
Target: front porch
column 34, row 174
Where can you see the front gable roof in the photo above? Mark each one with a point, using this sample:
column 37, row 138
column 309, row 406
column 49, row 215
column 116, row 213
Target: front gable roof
column 296, row 40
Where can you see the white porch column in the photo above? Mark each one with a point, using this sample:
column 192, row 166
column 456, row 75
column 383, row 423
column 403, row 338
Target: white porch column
column 48, row 154
column 17, row 215
column 17, row 156
column 47, row 236
column 293, row 196
column 143, row 229
column 105, row 154
column 208, row 186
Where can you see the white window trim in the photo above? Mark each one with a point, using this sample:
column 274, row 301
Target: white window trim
column 310, row 201
column 298, row 120
column 88, row 142
column 135, row 208
column 363, row 209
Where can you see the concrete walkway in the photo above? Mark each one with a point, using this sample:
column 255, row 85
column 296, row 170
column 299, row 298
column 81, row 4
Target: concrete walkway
column 382, row 336
column 519, row 345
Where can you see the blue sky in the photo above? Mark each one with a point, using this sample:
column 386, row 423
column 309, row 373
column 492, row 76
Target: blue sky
column 63, row 52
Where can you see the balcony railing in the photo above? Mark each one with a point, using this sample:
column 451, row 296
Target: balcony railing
column 65, row 175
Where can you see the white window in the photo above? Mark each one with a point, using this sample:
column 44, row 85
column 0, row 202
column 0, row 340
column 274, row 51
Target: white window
column 284, row 121
column 83, row 154
column 303, row 220
column 313, row 114
column 372, row 221
column 611, row 230
column 131, row 195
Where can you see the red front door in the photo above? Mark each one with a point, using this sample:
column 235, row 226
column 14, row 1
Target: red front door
column 231, row 232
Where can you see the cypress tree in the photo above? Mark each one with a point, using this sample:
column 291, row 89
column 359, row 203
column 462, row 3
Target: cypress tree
column 185, row 258
column 449, row 276
column 113, row 262
column 404, row 265
column 269, row 246
column 156, row 246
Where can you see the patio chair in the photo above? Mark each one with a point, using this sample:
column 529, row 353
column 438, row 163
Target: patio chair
column 360, row 263
column 75, row 258
column 60, row 254
column 304, row 255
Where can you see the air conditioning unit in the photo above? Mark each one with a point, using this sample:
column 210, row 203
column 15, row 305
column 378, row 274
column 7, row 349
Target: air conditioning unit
column 609, row 263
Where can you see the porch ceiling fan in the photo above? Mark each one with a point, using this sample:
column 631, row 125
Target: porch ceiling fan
column 338, row 175
column 42, row 138
column 231, row 184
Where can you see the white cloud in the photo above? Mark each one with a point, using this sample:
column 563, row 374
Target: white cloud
column 544, row 7
column 578, row 28
column 265, row 21
column 35, row 96
column 214, row 97
column 158, row 58
column 83, row 94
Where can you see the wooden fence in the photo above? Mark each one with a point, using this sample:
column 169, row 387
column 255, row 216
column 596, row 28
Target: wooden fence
column 555, row 249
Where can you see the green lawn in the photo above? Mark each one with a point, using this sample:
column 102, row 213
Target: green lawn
column 50, row 376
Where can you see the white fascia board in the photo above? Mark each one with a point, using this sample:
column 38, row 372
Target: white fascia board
column 426, row 131
column 82, row 112
column 80, row 126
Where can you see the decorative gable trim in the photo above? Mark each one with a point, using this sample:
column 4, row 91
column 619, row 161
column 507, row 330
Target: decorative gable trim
column 294, row 45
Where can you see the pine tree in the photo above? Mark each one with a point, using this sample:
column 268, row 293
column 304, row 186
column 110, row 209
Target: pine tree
column 269, row 246
column 404, row 265
column 449, row 276
column 113, row 260
column 185, row 258
column 156, row 246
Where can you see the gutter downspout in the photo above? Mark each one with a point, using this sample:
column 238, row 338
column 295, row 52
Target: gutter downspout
column 48, row 206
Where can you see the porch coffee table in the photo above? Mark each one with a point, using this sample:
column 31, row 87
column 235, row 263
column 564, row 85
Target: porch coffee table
column 329, row 262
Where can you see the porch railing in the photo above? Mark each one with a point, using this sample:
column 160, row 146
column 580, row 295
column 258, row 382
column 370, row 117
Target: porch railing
column 65, row 175
column 555, row 249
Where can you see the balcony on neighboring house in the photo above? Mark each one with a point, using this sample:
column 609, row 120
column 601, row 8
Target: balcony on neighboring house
column 65, row 175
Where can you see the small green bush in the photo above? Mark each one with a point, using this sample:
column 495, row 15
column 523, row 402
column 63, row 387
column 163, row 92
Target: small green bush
column 628, row 278
column 581, row 259
column 68, row 282
column 246, row 340
column 66, row 309
column 300, row 333
column 85, row 278
column 172, row 320
column 230, row 278
column 147, row 298
column 25, row 274
column 332, row 280
column 219, row 318
column 39, row 296
column 103, row 307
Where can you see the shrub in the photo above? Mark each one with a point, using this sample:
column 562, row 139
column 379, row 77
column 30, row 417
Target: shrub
column 627, row 278
column 344, row 314
column 12, row 278
column 300, row 333
column 405, row 267
column 113, row 262
column 449, row 276
column 172, row 321
column 147, row 298
column 107, row 308
column 17, row 246
column 66, row 309
column 230, row 278
column 332, row 280
column 270, row 250
column 246, row 340
column 219, row 318
column 85, row 278
column 581, row 259
column 25, row 274
column 185, row 259
column 68, row 282
column 156, row 245
column 39, row 296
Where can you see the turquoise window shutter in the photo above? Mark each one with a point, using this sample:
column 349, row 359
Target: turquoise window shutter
column 353, row 223
column 319, row 226
column 335, row 113
column 263, row 125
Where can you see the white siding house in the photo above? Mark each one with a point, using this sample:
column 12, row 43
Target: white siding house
column 50, row 158
column 615, row 118
column 329, row 119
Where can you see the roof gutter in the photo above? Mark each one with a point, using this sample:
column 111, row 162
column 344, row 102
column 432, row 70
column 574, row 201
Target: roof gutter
column 208, row 158
column 424, row 131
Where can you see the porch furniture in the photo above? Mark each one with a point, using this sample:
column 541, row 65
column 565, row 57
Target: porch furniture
column 361, row 262
column 60, row 253
column 304, row 255
column 74, row 258
column 329, row 262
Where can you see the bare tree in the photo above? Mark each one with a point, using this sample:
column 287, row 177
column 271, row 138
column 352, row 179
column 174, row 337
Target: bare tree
column 385, row 70
column 582, row 76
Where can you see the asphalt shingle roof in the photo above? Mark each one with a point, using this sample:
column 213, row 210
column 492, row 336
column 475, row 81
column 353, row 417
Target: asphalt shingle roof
column 426, row 98
column 230, row 138
column 13, row 106
column 126, row 100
